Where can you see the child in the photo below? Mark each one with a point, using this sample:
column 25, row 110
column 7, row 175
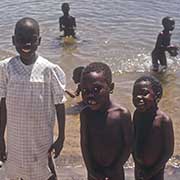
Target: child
column 163, row 44
column 31, row 90
column 76, row 78
column 154, row 137
column 67, row 23
column 106, row 129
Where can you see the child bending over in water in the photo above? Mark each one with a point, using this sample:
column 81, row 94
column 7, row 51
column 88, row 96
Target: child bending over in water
column 153, row 131
column 163, row 44
column 106, row 128
column 67, row 23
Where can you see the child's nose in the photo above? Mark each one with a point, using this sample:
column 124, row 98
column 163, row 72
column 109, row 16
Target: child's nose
column 90, row 94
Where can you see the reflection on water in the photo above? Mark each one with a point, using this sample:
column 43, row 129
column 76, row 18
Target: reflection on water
column 120, row 33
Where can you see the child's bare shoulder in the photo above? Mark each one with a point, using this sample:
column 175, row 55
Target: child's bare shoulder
column 119, row 112
column 162, row 117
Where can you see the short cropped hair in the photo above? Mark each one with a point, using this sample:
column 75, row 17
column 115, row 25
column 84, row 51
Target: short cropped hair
column 167, row 20
column 77, row 71
column 22, row 22
column 65, row 5
column 155, row 83
column 99, row 67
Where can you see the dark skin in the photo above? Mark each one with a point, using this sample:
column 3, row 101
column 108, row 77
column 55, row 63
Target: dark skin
column 76, row 78
column 26, row 40
column 3, row 121
column 163, row 45
column 106, row 130
column 67, row 23
column 153, row 132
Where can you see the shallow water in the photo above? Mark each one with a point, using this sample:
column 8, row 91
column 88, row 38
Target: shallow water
column 120, row 33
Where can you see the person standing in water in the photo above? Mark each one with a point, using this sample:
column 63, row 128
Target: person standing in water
column 67, row 23
column 163, row 44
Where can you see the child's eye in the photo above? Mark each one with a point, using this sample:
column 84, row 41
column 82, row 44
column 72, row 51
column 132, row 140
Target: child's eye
column 145, row 92
column 97, row 90
column 24, row 40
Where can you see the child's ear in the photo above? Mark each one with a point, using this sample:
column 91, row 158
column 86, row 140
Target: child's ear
column 111, row 88
column 13, row 40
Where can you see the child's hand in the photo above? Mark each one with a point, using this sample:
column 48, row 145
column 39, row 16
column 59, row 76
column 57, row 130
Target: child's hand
column 173, row 50
column 3, row 156
column 56, row 148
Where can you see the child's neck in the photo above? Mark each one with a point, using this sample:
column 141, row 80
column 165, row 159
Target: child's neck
column 30, row 60
column 66, row 14
column 166, row 31
column 106, row 106
column 152, row 110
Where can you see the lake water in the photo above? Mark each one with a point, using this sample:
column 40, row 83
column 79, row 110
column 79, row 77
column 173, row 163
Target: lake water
column 121, row 33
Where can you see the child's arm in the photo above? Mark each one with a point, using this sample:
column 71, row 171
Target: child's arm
column 84, row 149
column 74, row 23
column 127, row 132
column 159, row 44
column 78, row 90
column 3, row 121
column 168, row 150
column 70, row 94
column 58, row 144
column 61, row 28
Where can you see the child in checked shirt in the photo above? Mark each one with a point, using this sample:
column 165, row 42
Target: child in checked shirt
column 31, row 91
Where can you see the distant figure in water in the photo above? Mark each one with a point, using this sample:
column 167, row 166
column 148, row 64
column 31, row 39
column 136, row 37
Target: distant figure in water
column 153, row 131
column 67, row 23
column 76, row 78
column 106, row 128
column 163, row 44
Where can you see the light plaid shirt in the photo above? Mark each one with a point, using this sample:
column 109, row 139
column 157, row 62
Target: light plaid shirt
column 31, row 92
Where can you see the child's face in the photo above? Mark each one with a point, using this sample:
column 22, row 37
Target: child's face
column 143, row 96
column 65, row 8
column 170, row 25
column 95, row 90
column 26, row 41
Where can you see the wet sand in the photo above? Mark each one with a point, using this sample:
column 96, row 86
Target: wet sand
column 79, row 173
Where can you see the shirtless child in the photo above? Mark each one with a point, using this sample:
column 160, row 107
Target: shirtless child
column 67, row 23
column 154, row 137
column 163, row 44
column 106, row 128
column 76, row 78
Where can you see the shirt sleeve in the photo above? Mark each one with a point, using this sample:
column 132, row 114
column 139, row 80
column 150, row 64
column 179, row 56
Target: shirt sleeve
column 3, row 80
column 58, row 85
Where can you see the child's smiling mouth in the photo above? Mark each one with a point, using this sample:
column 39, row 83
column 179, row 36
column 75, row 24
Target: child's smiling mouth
column 140, row 104
column 91, row 102
column 26, row 50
